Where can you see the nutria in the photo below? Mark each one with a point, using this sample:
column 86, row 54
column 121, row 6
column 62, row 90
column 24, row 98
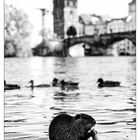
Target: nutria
column 66, row 127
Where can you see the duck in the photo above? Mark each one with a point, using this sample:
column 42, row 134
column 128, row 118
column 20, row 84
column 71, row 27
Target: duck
column 69, row 85
column 38, row 86
column 10, row 86
column 103, row 83
column 55, row 82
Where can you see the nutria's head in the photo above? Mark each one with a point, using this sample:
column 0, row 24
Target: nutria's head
column 66, row 127
column 84, row 124
column 100, row 80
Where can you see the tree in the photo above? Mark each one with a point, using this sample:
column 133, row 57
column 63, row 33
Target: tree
column 17, row 30
column 71, row 31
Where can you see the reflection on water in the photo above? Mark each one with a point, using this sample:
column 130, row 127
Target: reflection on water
column 77, row 50
column 28, row 113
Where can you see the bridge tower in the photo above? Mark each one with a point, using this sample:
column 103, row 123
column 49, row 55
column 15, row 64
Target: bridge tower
column 64, row 16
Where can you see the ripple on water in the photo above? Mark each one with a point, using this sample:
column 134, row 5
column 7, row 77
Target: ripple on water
column 28, row 113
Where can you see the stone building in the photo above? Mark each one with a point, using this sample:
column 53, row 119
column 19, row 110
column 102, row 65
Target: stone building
column 124, row 47
column 92, row 24
column 101, row 25
column 65, row 15
column 131, row 19
column 132, row 7
column 124, row 24
column 131, row 23
column 116, row 25
column 86, row 25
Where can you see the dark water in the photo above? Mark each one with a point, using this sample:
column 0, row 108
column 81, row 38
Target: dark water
column 28, row 113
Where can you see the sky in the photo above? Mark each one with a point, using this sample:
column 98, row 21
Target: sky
column 112, row 8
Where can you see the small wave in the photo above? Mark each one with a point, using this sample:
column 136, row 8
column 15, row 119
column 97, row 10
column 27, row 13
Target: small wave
column 19, row 120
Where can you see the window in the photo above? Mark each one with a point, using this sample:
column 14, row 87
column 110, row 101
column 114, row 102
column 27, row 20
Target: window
column 71, row 3
column 71, row 14
column 128, row 43
column 74, row 3
column 67, row 3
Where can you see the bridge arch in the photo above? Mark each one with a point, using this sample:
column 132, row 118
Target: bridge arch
column 104, row 40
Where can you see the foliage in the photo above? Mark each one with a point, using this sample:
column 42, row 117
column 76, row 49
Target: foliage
column 42, row 49
column 48, row 48
column 71, row 31
column 17, row 30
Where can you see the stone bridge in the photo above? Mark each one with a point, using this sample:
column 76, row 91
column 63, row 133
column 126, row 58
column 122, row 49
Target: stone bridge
column 103, row 41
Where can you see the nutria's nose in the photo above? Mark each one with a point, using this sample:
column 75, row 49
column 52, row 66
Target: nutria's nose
column 92, row 134
column 94, row 122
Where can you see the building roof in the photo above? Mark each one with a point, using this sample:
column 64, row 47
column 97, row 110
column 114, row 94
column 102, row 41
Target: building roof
column 118, row 19
column 88, row 19
column 85, row 19
column 71, row 0
column 131, row 18
column 132, row 2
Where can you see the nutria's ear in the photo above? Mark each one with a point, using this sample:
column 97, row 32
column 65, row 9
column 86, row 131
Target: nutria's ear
column 78, row 116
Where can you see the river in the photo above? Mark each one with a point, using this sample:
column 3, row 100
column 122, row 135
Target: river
column 28, row 113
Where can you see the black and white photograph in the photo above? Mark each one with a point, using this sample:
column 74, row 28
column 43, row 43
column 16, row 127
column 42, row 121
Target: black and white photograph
column 69, row 69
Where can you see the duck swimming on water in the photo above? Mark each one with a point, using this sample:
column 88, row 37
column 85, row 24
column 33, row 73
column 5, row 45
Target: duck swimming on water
column 10, row 86
column 55, row 82
column 103, row 83
column 38, row 86
column 69, row 85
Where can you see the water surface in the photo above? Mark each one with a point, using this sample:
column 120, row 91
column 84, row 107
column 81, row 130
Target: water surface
column 28, row 113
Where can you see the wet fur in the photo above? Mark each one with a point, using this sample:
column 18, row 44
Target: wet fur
column 66, row 127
